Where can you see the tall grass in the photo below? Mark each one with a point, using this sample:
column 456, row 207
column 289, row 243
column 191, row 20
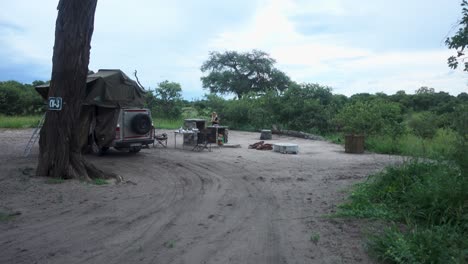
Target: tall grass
column 441, row 145
column 336, row 138
column 432, row 244
column 429, row 198
column 32, row 121
column 19, row 121
column 162, row 123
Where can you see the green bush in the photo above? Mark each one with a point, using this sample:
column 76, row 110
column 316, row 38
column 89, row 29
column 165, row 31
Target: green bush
column 307, row 107
column 20, row 99
column 428, row 192
column 441, row 145
column 429, row 199
column 162, row 123
column 376, row 117
column 434, row 244
column 423, row 124
column 383, row 144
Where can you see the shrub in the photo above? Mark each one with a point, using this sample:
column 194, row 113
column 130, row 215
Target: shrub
column 371, row 118
column 435, row 244
column 19, row 99
column 429, row 198
column 423, row 124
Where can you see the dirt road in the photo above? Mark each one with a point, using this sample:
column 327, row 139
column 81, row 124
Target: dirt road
column 231, row 205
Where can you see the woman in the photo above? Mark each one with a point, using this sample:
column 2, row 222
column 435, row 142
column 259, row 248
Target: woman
column 214, row 119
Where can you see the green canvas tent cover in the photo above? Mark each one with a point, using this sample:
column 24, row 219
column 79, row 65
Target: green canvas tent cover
column 108, row 88
column 107, row 91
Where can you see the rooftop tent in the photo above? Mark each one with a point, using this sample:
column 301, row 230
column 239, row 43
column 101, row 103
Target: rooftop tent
column 108, row 88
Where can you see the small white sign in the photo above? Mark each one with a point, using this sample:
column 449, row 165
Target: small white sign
column 55, row 103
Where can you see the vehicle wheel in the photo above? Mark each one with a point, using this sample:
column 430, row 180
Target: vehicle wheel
column 103, row 151
column 135, row 149
column 141, row 124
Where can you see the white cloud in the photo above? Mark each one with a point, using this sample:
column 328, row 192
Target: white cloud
column 168, row 40
column 329, row 59
column 31, row 37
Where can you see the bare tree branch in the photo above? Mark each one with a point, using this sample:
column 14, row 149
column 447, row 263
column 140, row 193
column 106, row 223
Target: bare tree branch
column 138, row 81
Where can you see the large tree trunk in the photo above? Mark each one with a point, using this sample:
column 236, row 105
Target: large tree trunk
column 60, row 153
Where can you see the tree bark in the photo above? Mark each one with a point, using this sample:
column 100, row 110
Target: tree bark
column 60, row 153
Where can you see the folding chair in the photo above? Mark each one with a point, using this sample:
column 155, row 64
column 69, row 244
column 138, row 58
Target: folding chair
column 202, row 141
column 160, row 139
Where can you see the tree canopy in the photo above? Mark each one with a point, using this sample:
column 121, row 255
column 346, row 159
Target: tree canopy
column 20, row 99
column 169, row 91
column 460, row 40
column 166, row 100
column 242, row 73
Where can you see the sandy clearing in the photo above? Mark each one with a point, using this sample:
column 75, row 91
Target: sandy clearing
column 231, row 205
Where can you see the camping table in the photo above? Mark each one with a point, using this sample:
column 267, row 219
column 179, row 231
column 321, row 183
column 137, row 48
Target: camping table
column 183, row 132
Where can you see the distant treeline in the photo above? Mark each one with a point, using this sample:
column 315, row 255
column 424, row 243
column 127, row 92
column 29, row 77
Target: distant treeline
column 20, row 99
column 305, row 107
column 314, row 108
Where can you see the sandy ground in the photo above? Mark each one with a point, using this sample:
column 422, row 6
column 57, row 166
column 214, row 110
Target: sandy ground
column 231, row 205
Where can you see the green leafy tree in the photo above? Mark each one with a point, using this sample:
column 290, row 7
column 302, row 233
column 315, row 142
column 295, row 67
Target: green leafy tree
column 169, row 91
column 356, row 118
column 20, row 99
column 208, row 104
column 371, row 118
column 423, row 124
column 168, row 99
column 243, row 73
column 9, row 99
column 462, row 97
column 306, row 107
column 403, row 99
column 460, row 40
column 362, row 97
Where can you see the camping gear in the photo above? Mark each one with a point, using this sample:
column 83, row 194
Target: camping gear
column 34, row 137
column 202, row 141
column 160, row 139
column 286, row 148
column 261, row 146
column 193, row 125
column 108, row 88
column 107, row 93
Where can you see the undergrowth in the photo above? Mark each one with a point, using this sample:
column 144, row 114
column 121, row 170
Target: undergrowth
column 4, row 217
column 426, row 203
column 161, row 123
column 55, row 181
column 19, row 121
column 443, row 144
column 336, row 138
column 99, row 181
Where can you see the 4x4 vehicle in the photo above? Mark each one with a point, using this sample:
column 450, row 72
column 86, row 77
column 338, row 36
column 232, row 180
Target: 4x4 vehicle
column 112, row 113
column 134, row 129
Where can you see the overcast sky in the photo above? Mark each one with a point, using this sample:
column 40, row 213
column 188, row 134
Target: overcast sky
column 353, row 46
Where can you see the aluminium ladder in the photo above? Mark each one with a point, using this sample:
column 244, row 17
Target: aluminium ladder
column 34, row 137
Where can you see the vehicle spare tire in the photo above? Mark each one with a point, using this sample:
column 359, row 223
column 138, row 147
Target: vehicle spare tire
column 141, row 124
